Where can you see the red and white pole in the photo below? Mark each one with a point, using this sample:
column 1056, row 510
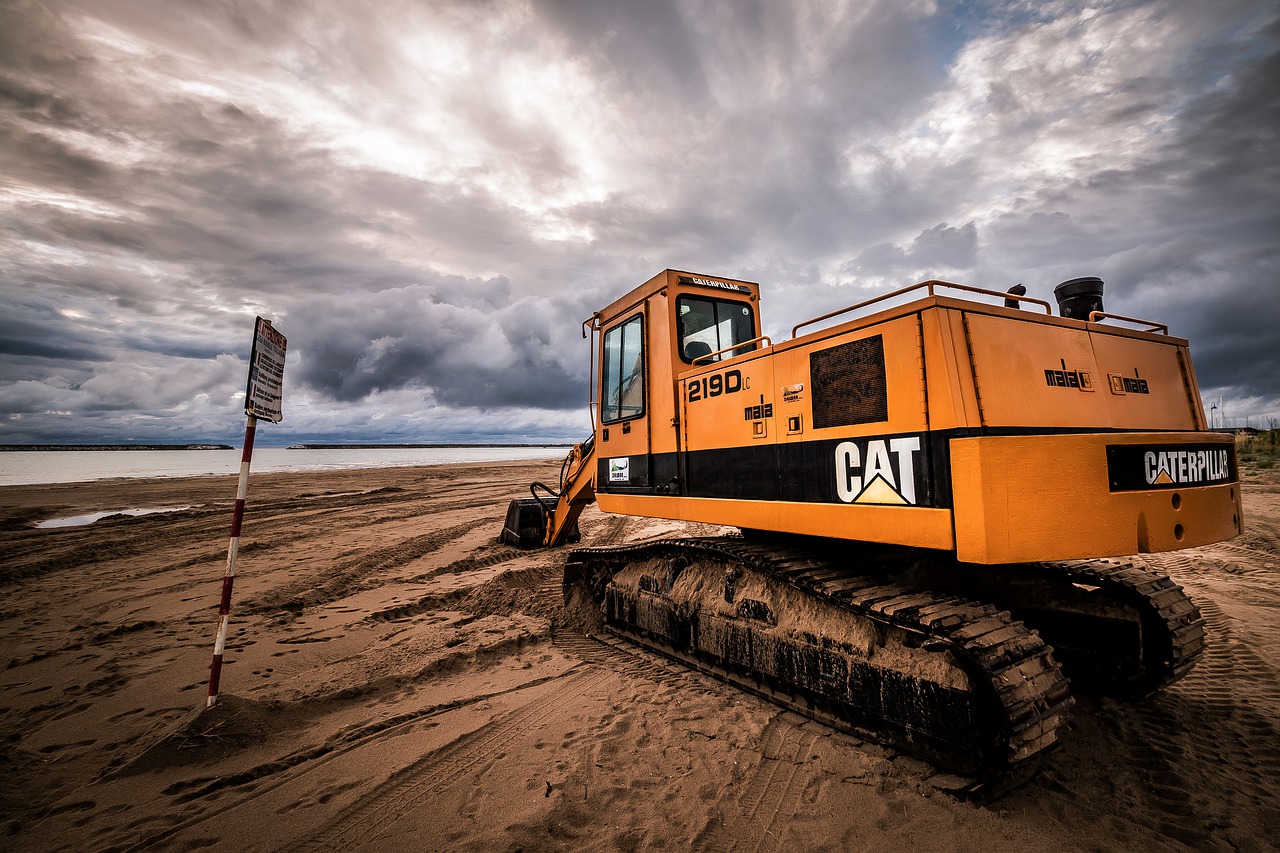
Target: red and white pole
column 237, row 518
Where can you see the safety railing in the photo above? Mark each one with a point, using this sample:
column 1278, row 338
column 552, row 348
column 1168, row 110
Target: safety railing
column 709, row 357
column 928, row 285
column 1095, row 316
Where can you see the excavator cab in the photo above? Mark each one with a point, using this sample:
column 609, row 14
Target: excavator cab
column 673, row 323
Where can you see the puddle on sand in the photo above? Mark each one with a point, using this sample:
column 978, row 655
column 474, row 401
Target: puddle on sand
column 78, row 520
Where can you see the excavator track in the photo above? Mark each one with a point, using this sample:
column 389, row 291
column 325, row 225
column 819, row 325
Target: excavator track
column 1118, row 627
column 958, row 683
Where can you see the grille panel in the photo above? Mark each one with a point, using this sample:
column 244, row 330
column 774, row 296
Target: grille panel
column 849, row 384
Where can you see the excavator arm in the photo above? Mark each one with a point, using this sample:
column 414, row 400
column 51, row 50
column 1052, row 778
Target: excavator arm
column 550, row 517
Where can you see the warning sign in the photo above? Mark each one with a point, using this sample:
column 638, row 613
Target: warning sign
column 264, row 395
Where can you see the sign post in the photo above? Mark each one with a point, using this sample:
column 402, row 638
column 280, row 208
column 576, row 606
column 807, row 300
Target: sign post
column 262, row 399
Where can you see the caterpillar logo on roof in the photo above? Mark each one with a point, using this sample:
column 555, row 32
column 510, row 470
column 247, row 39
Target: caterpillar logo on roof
column 1137, row 467
column 710, row 282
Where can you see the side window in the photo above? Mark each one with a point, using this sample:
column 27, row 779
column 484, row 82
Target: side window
column 710, row 325
column 623, row 373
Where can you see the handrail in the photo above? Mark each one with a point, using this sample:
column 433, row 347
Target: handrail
column 930, row 284
column 710, row 355
column 1095, row 316
column 592, row 323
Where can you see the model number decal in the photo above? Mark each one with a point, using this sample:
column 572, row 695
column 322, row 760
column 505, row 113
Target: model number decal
column 1079, row 379
column 729, row 382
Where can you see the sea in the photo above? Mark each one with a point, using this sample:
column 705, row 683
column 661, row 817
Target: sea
column 34, row 467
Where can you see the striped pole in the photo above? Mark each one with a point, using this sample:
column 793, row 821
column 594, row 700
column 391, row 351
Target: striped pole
column 237, row 518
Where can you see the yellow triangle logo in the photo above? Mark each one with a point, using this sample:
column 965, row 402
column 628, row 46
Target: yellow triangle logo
column 880, row 492
column 1164, row 479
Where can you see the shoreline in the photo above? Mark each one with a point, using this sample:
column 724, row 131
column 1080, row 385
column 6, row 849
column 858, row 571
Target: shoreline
column 44, row 448
column 48, row 448
column 376, row 446
column 46, row 468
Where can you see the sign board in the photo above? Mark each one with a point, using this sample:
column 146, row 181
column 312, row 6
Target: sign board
column 263, row 397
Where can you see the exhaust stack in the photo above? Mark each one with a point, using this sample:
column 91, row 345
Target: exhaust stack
column 1079, row 297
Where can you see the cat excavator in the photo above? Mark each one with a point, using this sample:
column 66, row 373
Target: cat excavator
column 936, row 494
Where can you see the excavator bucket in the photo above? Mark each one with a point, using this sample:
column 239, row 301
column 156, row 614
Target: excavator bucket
column 552, row 519
column 526, row 524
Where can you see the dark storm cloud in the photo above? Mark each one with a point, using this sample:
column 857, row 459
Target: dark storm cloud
column 1219, row 276
column 483, row 355
column 939, row 248
column 24, row 340
column 648, row 45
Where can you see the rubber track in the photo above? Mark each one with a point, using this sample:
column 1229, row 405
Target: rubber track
column 1025, row 680
column 1164, row 608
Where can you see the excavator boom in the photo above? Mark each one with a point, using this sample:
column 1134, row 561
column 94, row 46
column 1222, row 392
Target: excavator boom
column 551, row 518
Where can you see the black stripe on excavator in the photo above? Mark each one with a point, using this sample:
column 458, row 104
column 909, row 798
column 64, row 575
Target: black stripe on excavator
column 806, row 472
column 909, row 469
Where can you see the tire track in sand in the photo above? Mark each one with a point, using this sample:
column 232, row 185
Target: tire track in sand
column 1216, row 729
column 768, row 799
column 406, row 790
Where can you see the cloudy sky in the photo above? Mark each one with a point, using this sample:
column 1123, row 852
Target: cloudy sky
column 428, row 197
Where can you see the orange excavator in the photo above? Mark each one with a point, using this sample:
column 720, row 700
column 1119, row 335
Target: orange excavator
column 936, row 492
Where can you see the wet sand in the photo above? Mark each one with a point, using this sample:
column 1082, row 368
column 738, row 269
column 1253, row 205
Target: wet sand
column 395, row 679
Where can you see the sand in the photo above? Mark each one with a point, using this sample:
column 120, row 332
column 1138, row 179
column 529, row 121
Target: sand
column 395, row 679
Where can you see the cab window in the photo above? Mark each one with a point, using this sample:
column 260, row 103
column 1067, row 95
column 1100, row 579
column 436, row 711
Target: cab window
column 711, row 325
column 623, row 372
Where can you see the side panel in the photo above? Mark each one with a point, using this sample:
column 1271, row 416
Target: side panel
column 1142, row 383
column 1034, row 374
column 1057, row 497
column 730, row 429
column 952, row 404
column 1073, row 376
column 852, row 421
column 840, row 420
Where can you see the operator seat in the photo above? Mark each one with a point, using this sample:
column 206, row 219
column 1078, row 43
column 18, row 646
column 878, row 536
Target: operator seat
column 696, row 349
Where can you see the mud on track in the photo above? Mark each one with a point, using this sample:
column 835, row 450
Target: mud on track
column 396, row 679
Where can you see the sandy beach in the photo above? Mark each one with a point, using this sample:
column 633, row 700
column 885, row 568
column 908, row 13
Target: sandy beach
column 395, row 680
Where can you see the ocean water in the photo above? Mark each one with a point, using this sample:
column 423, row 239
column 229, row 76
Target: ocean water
column 30, row 467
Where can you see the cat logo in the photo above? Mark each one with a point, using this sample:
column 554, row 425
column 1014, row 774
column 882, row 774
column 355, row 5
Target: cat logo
column 877, row 471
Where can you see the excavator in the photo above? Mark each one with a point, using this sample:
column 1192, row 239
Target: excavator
column 939, row 497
